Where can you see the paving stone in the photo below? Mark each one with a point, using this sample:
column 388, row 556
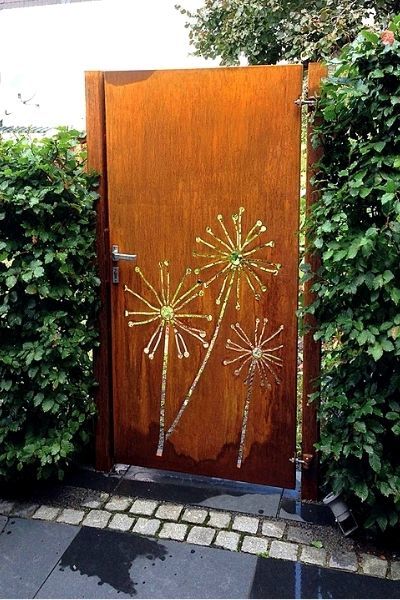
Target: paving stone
column 228, row 540
column 47, row 513
column 92, row 504
column 284, row 550
column 23, row 509
column 246, row 524
column 71, row 516
column 194, row 515
column 299, row 535
column 146, row 526
column 372, row 565
column 273, row 529
column 173, row 531
column 201, row 535
column 394, row 572
column 95, row 500
column 313, row 556
column 97, row 518
column 6, row 507
column 221, row 520
column 347, row 561
column 118, row 504
column 171, row 512
column 254, row 545
column 121, row 522
column 143, row 507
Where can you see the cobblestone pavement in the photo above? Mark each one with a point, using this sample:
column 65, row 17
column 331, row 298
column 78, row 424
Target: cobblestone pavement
column 221, row 529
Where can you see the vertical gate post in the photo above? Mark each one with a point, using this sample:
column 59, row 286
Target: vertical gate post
column 97, row 161
column 311, row 348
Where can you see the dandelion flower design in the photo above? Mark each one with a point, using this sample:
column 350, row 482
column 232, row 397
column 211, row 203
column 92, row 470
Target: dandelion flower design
column 260, row 355
column 169, row 312
column 233, row 257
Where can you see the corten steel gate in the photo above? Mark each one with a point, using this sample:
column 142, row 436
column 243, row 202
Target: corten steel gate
column 198, row 252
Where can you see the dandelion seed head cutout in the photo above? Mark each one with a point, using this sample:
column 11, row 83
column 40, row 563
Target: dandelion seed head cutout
column 169, row 312
column 168, row 309
column 234, row 256
column 259, row 355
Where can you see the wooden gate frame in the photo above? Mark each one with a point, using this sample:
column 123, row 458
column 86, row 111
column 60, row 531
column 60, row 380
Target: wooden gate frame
column 97, row 161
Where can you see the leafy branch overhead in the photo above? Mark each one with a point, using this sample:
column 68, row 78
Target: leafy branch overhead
column 266, row 31
column 48, row 291
column 355, row 225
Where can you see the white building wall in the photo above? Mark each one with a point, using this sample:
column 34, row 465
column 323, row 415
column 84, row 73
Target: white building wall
column 44, row 52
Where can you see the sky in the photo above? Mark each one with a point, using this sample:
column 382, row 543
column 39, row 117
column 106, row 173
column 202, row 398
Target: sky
column 44, row 52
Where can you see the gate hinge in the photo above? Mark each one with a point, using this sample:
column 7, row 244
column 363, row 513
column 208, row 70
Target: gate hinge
column 306, row 101
column 304, row 462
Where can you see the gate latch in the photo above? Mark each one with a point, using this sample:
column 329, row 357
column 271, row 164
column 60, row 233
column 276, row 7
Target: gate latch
column 304, row 462
column 306, row 101
column 117, row 256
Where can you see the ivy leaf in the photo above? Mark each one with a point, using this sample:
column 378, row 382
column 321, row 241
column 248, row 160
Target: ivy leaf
column 387, row 345
column 395, row 295
column 375, row 462
column 10, row 281
column 38, row 399
column 379, row 146
column 361, row 490
column 47, row 405
column 370, row 36
column 386, row 198
column 393, row 416
column 376, row 351
column 382, row 522
column 362, row 338
column 38, row 271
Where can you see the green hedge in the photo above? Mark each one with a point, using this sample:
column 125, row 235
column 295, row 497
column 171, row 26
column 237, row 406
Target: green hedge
column 48, row 303
column 356, row 227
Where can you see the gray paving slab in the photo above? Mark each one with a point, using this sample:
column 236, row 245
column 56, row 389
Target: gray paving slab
column 29, row 550
column 209, row 492
column 145, row 568
column 258, row 504
column 276, row 578
column 293, row 510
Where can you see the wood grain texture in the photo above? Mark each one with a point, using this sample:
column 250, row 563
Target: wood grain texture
column 183, row 147
column 311, row 348
column 95, row 127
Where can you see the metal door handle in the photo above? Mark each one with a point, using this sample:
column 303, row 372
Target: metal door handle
column 116, row 255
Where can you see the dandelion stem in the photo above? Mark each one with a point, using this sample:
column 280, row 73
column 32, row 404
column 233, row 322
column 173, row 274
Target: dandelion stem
column 250, row 379
column 161, row 438
column 210, row 348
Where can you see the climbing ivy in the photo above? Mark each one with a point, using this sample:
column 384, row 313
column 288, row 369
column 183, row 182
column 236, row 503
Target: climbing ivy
column 48, row 299
column 355, row 225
